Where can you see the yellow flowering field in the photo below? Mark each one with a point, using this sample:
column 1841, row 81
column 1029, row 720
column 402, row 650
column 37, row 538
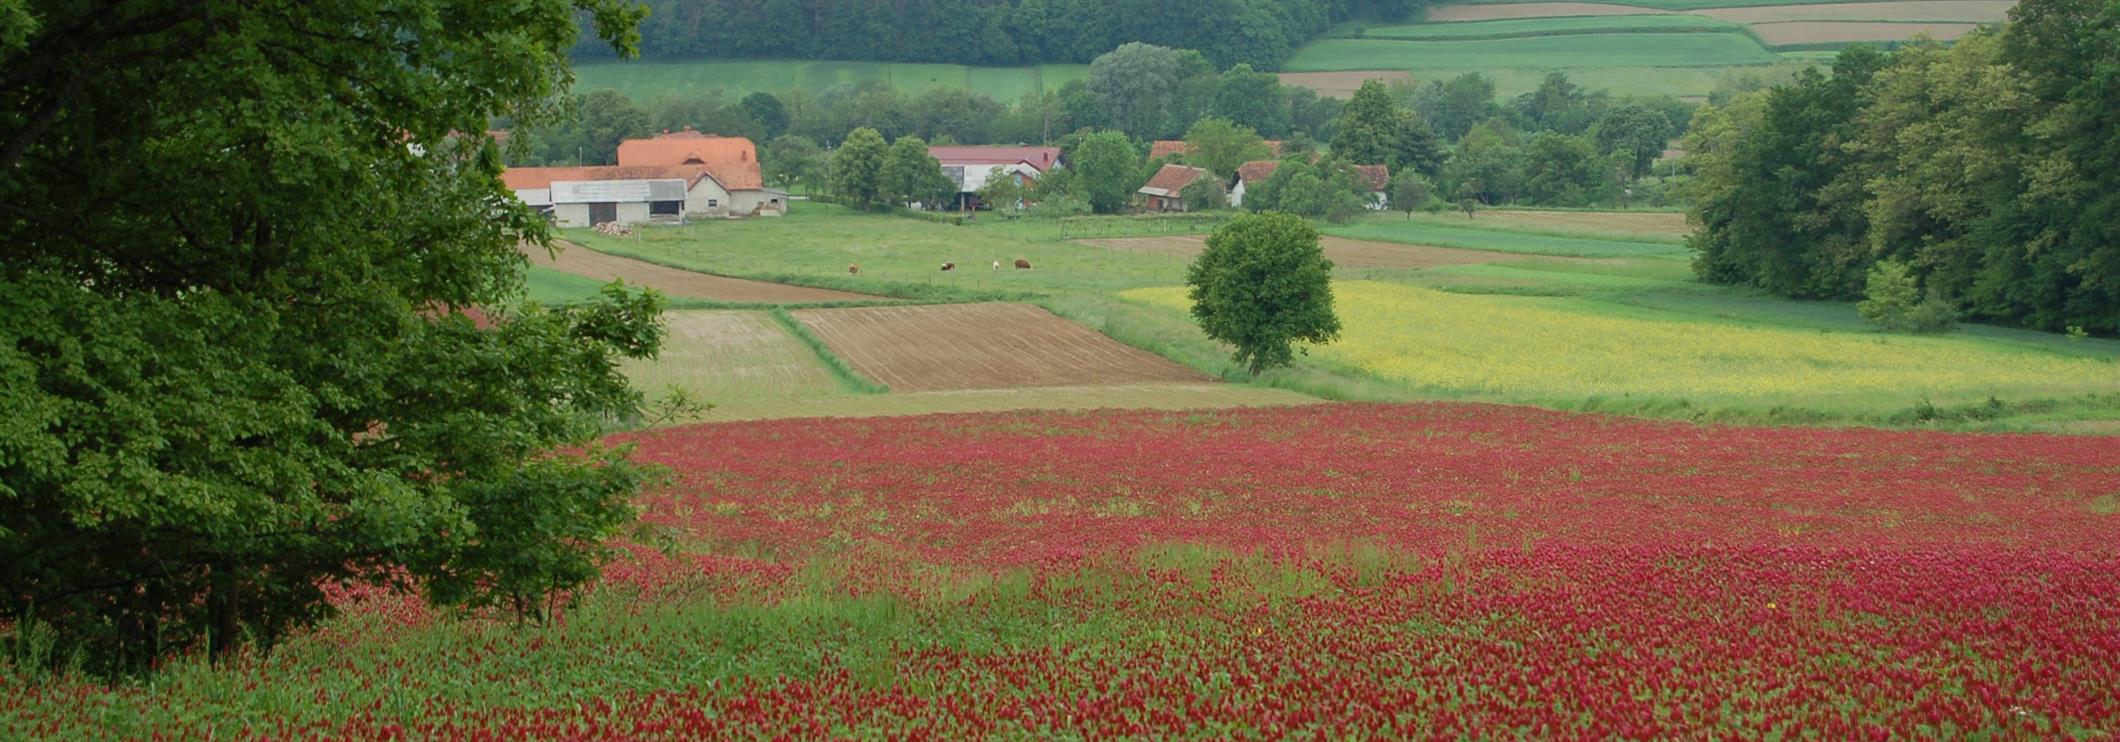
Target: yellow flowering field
column 1552, row 348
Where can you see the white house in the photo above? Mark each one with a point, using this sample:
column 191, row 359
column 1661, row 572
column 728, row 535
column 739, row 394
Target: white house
column 971, row 167
column 1248, row 176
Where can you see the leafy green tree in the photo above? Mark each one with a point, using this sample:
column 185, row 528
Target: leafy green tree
column 1105, row 170
column 1299, row 188
column 1561, row 170
column 602, row 119
column 1411, row 192
column 909, row 174
column 1374, row 130
column 1003, row 191
column 1254, row 99
column 1205, row 194
column 1262, row 285
column 258, row 371
column 1133, row 85
column 1221, row 147
column 1893, row 302
column 1486, row 167
column 857, row 168
column 1640, row 132
column 1452, row 107
column 792, row 160
column 768, row 111
column 706, row 114
column 1557, row 105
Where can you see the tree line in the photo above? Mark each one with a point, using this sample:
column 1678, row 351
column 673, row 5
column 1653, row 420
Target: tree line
column 989, row 32
column 1986, row 172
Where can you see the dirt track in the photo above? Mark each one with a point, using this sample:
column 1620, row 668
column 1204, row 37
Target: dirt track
column 1344, row 253
column 982, row 346
column 587, row 263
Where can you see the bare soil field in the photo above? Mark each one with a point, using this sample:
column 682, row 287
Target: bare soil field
column 1342, row 84
column 1112, row 396
column 1654, row 223
column 1964, row 11
column 1510, row 11
column 726, row 357
column 982, row 346
column 1816, row 32
column 1345, row 253
column 587, row 263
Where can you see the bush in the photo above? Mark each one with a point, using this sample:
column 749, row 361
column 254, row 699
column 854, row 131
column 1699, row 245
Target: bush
column 1892, row 303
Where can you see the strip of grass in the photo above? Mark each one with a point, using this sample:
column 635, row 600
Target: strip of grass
column 847, row 376
column 1440, row 235
column 1684, row 4
column 1582, row 50
column 1526, row 27
column 646, row 81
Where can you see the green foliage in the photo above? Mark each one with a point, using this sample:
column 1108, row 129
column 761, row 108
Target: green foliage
column 604, row 118
column 1004, row 192
column 1637, row 50
column 857, row 168
column 1262, row 285
column 910, row 175
column 1253, row 99
column 1560, row 170
column 766, row 109
column 1220, row 146
column 1411, row 192
column 1104, row 171
column 1374, row 130
column 221, row 399
column 1893, row 301
column 1205, row 194
column 1637, row 131
column 1452, row 107
column 793, row 160
column 1134, row 84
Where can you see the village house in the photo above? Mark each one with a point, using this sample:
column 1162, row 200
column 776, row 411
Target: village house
column 1376, row 181
column 1177, row 147
column 1165, row 191
column 971, row 167
column 666, row 179
column 1248, row 176
column 735, row 184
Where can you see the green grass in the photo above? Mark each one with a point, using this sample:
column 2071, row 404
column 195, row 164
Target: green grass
column 1683, row 82
column 1680, row 4
column 847, row 376
column 1392, row 229
column 1514, row 28
column 1568, row 51
column 647, row 81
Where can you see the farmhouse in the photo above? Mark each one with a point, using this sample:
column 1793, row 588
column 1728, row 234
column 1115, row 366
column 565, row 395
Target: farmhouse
column 1249, row 175
column 1177, row 147
column 971, row 167
column 588, row 196
column 1163, row 191
column 735, row 184
column 1376, row 180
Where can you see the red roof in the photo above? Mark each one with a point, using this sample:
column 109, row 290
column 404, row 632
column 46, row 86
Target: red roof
column 1167, row 147
column 1172, row 179
column 732, row 160
column 1042, row 158
column 1258, row 170
column 526, row 178
column 1377, row 177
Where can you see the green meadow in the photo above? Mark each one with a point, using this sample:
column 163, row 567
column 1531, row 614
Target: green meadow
column 1548, row 27
column 1577, row 50
column 646, row 81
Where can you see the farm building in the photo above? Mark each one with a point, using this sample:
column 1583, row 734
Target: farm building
column 1250, row 174
column 624, row 195
column 1376, row 181
column 735, row 184
column 971, row 167
column 1177, row 147
column 1163, row 191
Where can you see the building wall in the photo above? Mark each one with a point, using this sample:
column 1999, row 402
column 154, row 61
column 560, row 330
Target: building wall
column 746, row 203
column 707, row 199
column 577, row 215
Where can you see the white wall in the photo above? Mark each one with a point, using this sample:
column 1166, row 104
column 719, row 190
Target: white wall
column 571, row 215
column 707, row 199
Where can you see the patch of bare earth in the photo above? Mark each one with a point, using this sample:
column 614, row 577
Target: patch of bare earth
column 1511, row 11
column 1964, row 11
column 983, row 346
column 1818, row 32
column 1342, row 84
column 1345, row 253
column 587, row 263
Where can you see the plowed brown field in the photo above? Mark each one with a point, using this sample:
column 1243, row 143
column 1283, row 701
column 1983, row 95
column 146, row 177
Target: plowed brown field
column 1509, row 11
column 982, row 346
column 1345, row 253
column 587, row 263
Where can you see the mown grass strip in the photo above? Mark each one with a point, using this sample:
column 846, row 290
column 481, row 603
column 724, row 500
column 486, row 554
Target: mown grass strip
column 1523, row 28
column 846, row 374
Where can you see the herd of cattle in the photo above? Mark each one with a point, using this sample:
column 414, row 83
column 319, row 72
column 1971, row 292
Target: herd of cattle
column 1021, row 265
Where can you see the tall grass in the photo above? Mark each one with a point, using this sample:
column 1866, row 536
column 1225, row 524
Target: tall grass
column 847, row 376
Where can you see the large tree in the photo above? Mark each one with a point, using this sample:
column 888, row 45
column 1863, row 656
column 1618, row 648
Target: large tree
column 1374, row 130
column 1222, row 147
column 857, row 167
column 237, row 353
column 910, row 175
column 1134, row 84
column 1262, row 285
column 1104, row 170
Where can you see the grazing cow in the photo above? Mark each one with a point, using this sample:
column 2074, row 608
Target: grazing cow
column 854, row 269
column 949, row 266
column 997, row 265
column 1023, row 265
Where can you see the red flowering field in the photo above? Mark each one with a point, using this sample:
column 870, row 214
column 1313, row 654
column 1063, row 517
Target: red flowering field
column 1433, row 571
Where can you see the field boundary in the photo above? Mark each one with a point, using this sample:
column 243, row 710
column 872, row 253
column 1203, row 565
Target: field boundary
column 845, row 374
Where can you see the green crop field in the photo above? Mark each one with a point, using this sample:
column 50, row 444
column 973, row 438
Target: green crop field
column 1675, row 4
column 1581, row 50
column 1549, row 27
column 645, row 81
column 1578, row 287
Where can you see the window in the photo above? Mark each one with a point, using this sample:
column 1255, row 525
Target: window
column 665, row 208
column 713, row 203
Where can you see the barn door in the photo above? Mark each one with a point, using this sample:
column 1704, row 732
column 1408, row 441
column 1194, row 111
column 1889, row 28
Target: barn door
column 602, row 213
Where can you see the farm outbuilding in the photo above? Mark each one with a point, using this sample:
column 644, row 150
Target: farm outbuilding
column 971, row 167
column 587, row 203
column 1165, row 191
column 1376, row 181
column 735, row 184
column 1249, row 176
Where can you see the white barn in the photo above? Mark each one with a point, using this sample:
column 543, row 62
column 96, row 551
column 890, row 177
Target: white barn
column 587, row 203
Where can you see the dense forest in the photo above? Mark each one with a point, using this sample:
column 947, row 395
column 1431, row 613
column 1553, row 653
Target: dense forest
column 1988, row 170
column 988, row 32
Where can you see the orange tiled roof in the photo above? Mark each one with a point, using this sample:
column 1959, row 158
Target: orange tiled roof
column 1377, row 177
column 1173, row 178
column 1167, row 147
column 525, row 178
column 1258, row 170
column 733, row 160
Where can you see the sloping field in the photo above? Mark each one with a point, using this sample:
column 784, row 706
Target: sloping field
column 646, row 81
column 1452, row 234
column 1832, row 32
column 603, row 267
column 1344, row 253
column 1160, row 396
column 1342, row 84
column 982, row 346
column 1966, row 11
column 1507, row 11
column 1548, row 27
column 731, row 358
column 1620, row 224
column 1582, row 50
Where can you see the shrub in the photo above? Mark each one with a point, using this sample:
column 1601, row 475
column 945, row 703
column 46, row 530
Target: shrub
column 1895, row 304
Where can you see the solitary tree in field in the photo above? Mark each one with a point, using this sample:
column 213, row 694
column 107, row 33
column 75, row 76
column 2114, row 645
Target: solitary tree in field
column 1262, row 285
column 857, row 168
column 256, row 371
column 1410, row 192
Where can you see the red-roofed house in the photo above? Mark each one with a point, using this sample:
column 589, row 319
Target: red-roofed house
column 1249, row 175
column 971, row 167
column 1376, row 179
column 1164, row 190
column 736, row 186
column 1167, row 147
